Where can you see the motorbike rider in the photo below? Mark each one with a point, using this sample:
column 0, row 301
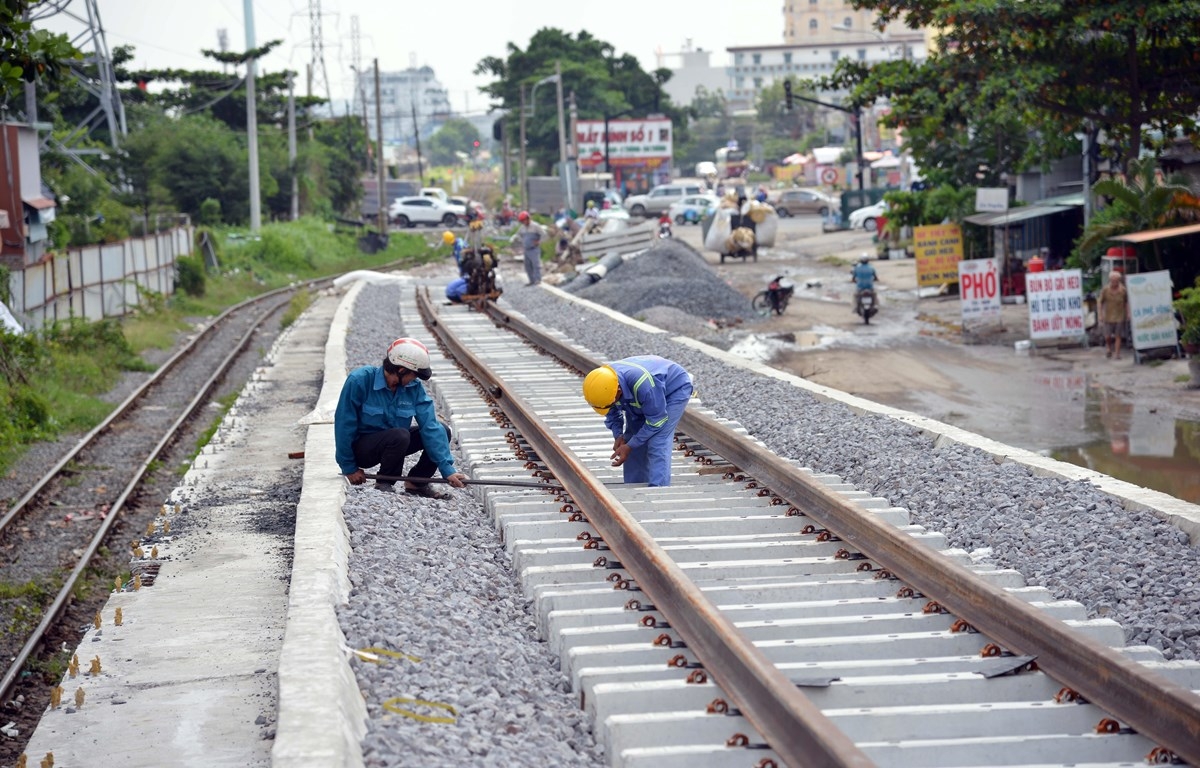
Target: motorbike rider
column 778, row 291
column 664, row 224
column 864, row 277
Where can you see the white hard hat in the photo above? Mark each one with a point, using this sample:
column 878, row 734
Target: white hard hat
column 865, row 257
column 412, row 355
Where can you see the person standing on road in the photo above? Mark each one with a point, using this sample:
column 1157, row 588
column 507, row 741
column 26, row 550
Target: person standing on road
column 530, row 234
column 641, row 399
column 1113, row 310
column 373, row 423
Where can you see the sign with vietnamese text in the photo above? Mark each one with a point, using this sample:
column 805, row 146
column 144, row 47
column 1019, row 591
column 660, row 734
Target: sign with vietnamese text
column 1055, row 303
column 1151, row 316
column 979, row 289
column 938, row 249
column 628, row 141
column 991, row 199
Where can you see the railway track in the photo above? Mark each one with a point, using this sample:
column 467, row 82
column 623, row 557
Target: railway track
column 755, row 613
column 61, row 526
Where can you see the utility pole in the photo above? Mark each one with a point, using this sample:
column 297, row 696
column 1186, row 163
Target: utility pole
column 291, row 127
column 524, row 178
column 379, row 163
column 252, row 120
column 417, row 136
column 563, row 170
column 573, row 152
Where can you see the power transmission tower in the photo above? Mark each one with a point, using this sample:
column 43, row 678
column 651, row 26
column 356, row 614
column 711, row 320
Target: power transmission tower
column 95, row 73
column 319, row 75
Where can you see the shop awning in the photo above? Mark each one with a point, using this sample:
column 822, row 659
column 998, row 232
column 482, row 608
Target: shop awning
column 1157, row 234
column 1015, row 215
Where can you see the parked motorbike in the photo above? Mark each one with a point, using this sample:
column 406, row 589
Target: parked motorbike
column 866, row 305
column 775, row 298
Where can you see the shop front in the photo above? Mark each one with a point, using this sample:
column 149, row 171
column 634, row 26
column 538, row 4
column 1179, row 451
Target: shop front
column 636, row 152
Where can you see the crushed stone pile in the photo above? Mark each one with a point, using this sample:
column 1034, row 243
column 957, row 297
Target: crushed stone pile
column 670, row 274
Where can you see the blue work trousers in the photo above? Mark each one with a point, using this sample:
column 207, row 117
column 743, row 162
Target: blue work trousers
column 651, row 462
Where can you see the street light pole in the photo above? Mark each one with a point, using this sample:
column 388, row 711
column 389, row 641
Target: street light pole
column 252, row 121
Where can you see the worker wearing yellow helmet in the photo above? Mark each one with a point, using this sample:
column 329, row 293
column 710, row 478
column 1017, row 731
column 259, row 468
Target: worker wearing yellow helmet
column 641, row 399
column 457, row 244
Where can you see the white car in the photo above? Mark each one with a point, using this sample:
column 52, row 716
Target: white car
column 411, row 211
column 867, row 218
column 692, row 209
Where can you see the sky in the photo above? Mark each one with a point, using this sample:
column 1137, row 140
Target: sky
column 450, row 38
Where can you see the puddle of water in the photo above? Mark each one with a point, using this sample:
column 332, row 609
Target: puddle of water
column 1136, row 444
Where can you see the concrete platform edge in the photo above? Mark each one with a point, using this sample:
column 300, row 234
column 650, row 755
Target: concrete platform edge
column 322, row 715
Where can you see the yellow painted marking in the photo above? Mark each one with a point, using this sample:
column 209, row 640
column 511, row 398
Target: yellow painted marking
column 372, row 655
column 390, row 706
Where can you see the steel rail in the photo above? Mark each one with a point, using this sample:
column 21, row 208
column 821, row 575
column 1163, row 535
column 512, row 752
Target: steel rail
column 793, row 726
column 1154, row 706
column 51, row 614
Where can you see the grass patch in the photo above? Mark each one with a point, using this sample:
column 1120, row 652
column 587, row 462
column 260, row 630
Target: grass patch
column 301, row 301
column 1182, row 378
column 224, row 404
column 834, row 261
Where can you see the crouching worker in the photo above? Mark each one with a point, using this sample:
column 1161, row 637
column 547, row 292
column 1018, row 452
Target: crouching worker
column 456, row 290
column 641, row 399
column 373, row 423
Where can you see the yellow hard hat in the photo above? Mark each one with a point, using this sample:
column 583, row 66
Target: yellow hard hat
column 448, row 237
column 600, row 389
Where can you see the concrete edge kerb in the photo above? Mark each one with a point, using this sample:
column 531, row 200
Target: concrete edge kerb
column 1182, row 514
column 322, row 716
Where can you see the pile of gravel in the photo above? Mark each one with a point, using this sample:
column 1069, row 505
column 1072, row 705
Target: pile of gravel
column 1068, row 536
column 669, row 274
column 430, row 579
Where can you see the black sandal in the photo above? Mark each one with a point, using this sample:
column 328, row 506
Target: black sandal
column 427, row 491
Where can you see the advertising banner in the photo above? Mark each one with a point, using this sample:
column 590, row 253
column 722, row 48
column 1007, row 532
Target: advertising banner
column 938, row 249
column 1151, row 316
column 979, row 290
column 1055, row 303
column 643, row 143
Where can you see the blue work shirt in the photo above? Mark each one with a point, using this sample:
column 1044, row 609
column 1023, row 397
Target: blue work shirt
column 367, row 406
column 864, row 276
column 646, row 381
column 459, row 245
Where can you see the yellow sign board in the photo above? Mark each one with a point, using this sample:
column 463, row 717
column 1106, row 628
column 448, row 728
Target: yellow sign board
column 938, row 248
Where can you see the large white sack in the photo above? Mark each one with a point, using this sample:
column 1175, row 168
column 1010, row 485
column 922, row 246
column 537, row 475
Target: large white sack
column 766, row 229
column 720, row 230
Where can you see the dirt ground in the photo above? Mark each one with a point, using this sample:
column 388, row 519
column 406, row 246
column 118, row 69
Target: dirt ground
column 914, row 355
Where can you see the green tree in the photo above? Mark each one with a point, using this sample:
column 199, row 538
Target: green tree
column 1141, row 201
column 604, row 85
column 202, row 158
column 1059, row 67
column 780, row 130
column 29, row 55
column 453, row 137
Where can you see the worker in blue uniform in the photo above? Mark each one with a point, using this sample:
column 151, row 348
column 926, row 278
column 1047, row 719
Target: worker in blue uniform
column 642, row 399
column 373, row 423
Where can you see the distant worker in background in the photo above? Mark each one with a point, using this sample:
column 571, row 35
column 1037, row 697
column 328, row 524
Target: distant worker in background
column 456, row 289
column 530, row 234
column 641, row 399
column 1113, row 310
column 373, row 423
column 457, row 244
column 864, row 278
column 592, row 213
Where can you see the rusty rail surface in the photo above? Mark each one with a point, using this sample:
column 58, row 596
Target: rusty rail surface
column 1154, row 706
column 793, row 726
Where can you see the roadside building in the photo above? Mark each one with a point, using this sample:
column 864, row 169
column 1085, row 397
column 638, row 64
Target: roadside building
column 26, row 207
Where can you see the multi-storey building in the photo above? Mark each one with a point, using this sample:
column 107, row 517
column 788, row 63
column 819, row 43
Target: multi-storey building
column 399, row 92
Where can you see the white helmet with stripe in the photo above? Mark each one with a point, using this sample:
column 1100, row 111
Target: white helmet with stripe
column 412, row 355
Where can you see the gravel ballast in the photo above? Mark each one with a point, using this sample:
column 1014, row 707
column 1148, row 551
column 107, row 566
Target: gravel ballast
column 431, row 579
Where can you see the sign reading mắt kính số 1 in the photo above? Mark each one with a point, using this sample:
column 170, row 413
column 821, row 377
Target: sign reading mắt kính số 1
column 1151, row 316
column 1055, row 303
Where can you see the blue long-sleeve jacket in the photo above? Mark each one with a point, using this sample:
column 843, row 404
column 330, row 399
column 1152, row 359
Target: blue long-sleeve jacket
column 646, row 381
column 367, row 406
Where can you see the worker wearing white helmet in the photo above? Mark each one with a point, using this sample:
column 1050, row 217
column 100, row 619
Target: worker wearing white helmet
column 373, row 423
column 641, row 399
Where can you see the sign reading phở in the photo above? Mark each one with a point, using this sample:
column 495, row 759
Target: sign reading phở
column 979, row 289
column 1151, row 316
column 628, row 141
column 1055, row 303
column 938, row 249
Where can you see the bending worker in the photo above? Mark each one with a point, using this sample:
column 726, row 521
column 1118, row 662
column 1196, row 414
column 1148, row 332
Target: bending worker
column 641, row 399
column 373, row 423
